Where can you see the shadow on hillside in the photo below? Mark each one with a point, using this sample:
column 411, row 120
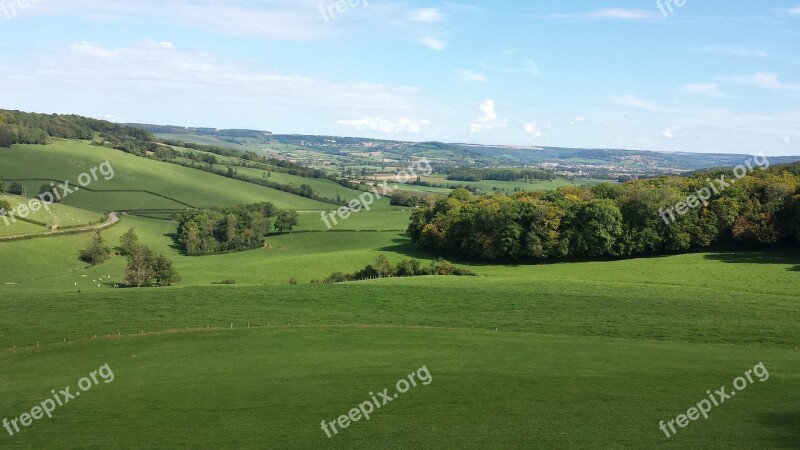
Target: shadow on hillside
column 786, row 426
column 176, row 245
column 784, row 258
column 404, row 247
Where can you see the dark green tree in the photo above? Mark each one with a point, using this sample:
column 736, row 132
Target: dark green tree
column 164, row 271
column 286, row 221
column 128, row 242
column 96, row 252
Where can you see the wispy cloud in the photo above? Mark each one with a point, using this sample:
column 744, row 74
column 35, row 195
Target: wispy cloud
column 468, row 76
column 705, row 90
column 635, row 102
column 606, row 14
column 507, row 64
column 428, row 15
column 433, row 44
column 271, row 19
column 769, row 81
column 793, row 12
column 577, row 120
column 161, row 73
column 736, row 50
column 404, row 125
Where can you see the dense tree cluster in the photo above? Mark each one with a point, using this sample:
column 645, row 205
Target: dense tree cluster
column 475, row 175
column 412, row 199
column 18, row 127
column 382, row 268
column 757, row 211
column 214, row 230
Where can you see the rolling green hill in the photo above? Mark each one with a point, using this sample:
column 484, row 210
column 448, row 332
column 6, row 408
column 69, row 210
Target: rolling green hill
column 568, row 355
column 65, row 160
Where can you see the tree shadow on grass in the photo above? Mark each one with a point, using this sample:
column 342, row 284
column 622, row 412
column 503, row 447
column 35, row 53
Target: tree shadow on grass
column 176, row 245
column 783, row 258
column 406, row 248
column 786, row 426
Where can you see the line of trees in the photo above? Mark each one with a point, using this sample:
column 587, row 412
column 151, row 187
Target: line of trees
column 215, row 230
column 382, row 268
column 476, row 175
column 17, row 127
column 759, row 211
column 412, row 199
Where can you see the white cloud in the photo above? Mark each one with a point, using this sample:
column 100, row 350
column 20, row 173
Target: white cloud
column 404, row 125
column 469, row 76
column 533, row 128
column 433, row 44
column 578, row 120
column 786, row 140
column 488, row 121
column 428, row 15
column 706, row 90
column 669, row 133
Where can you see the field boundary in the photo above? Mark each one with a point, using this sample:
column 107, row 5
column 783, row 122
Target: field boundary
column 109, row 190
column 112, row 220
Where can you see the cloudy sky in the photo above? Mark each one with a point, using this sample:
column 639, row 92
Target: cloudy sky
column 703, row 77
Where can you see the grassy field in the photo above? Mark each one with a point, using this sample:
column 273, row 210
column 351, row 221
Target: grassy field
column 68, row 159
column 568, row 355
column 67, row 216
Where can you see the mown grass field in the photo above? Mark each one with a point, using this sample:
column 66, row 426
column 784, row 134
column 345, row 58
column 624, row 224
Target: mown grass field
column 65, row 160
column 569, row 355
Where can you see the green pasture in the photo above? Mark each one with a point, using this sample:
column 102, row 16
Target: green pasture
column 567, row 355
column 65, row 216
column 65, row 160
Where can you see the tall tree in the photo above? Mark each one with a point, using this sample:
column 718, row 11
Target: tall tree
column 287, row 220
column 128, row 242
column 96, row 251
column 139, row 270
column 164, row 272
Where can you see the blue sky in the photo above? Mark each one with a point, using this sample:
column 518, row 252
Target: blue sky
column 701, row 77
